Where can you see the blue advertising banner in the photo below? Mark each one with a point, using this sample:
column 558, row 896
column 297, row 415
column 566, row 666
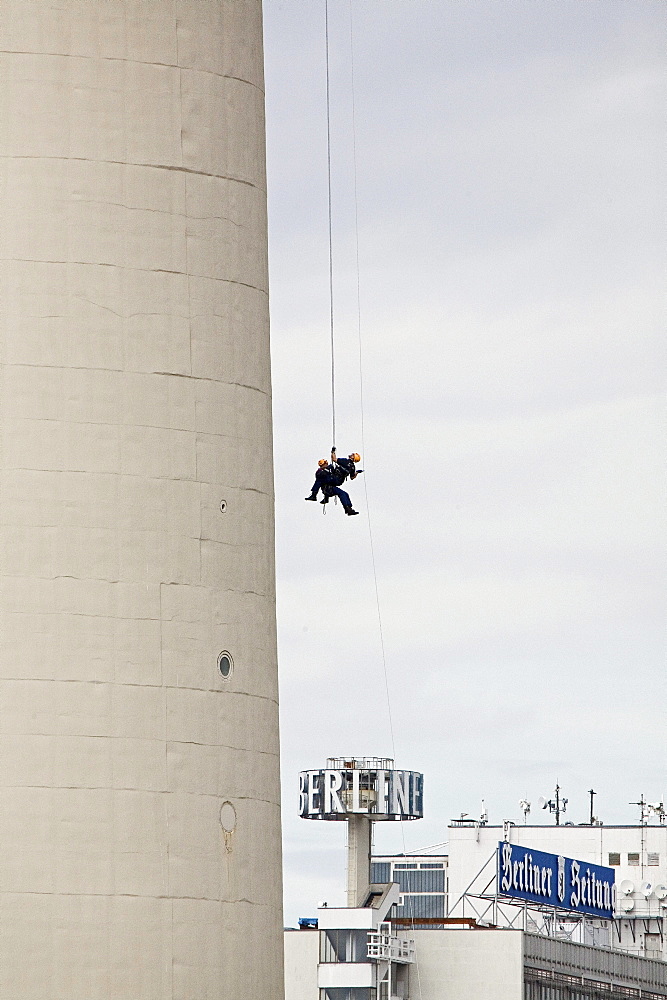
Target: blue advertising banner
column 552, row 880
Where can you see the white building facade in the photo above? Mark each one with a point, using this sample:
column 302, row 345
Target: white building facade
column 459, row 963
column 465, row 938
column 637, row 854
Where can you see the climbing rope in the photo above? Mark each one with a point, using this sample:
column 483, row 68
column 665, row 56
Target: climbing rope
column 361, row 377
column 331, row 291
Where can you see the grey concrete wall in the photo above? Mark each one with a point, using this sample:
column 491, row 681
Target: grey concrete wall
column 134, row 398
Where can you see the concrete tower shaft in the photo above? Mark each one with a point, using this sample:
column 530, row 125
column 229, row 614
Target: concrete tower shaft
column 139, row 787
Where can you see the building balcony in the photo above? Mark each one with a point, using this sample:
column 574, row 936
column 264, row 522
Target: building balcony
column 383, row 946
column 346, row 975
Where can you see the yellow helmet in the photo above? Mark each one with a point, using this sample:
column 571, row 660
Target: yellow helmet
column 322, row 462
column 355, row 456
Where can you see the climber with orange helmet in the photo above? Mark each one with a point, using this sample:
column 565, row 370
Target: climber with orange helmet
column 330, row 477
column 346, row 466
column 322, row 476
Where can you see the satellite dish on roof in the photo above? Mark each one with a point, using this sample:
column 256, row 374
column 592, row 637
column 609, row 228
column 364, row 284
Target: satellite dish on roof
column 661, row 891
column 541, row 802
column 627, row 886
column 627, row 905
column 646, row 888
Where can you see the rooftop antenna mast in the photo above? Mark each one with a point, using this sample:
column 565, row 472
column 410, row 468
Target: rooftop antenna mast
column 592, row 818
column 643, row 821
column 642, row 803
column 560, row 806
column 656, row 809
column 556, row 805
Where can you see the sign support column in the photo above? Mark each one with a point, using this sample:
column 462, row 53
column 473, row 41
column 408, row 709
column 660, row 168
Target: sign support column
column 359, row 828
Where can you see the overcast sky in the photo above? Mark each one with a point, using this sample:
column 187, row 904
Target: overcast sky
column 511, row 249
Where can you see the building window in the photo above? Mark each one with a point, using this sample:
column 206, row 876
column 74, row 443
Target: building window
column 431, row 866
column 343, row 946
column 614, row 858
column 653, row 945
column 653, row 859
column 421, row 906
column 348, row 993
column 405, row 867
column 633, row 859
column 380, row 872
column 422, row 881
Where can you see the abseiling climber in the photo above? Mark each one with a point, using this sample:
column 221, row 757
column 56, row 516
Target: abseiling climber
column 331, row 476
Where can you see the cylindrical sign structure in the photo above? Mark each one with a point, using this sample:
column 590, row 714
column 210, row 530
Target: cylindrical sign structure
column 361, row 786
column 139, row 787
column 360, row 791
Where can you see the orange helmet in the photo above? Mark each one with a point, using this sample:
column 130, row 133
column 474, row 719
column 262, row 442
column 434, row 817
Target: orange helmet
column 355, row 456
column 322, row 462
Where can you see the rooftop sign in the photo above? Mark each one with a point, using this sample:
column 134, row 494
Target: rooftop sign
column 552, row 880
column 361, row 787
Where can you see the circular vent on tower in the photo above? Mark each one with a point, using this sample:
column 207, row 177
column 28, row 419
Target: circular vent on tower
column 225, row 663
